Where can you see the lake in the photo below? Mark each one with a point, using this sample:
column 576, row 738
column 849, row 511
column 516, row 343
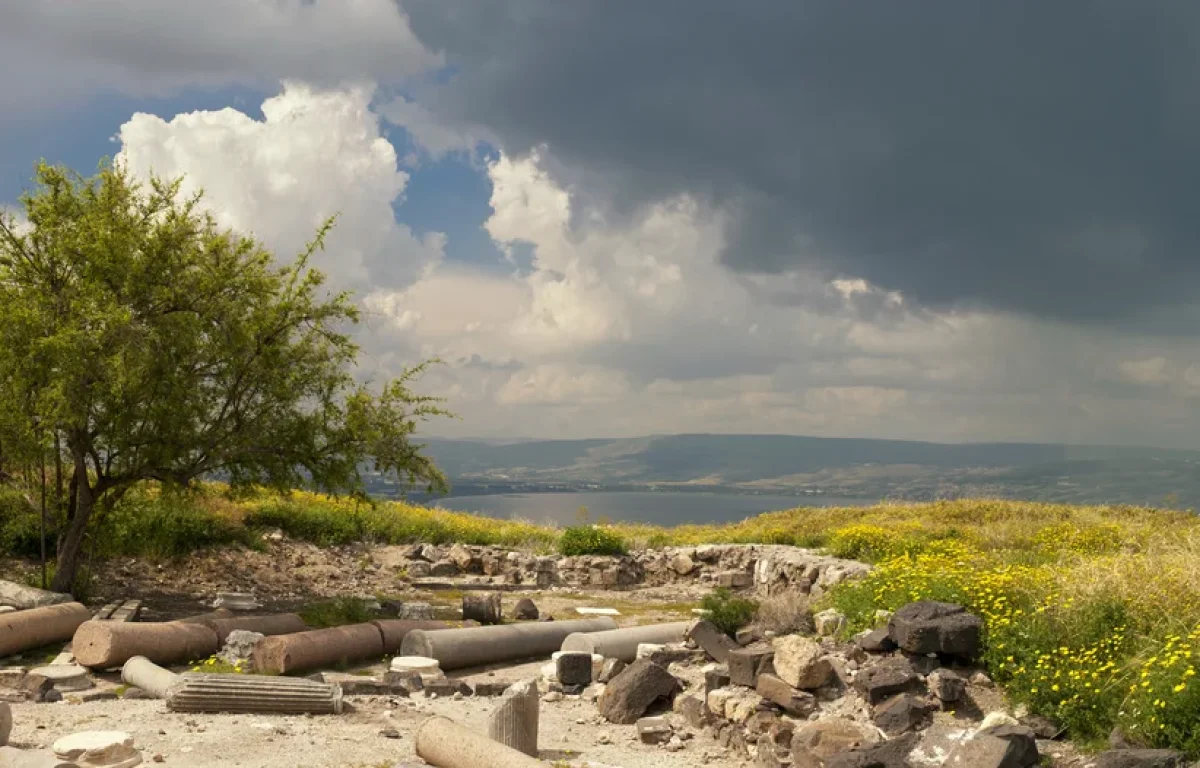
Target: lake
column 660, row 508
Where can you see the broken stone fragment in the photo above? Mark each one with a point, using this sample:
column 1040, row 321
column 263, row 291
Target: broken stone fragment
column 947, row 685
column 694, row 710
column 630, row 694
column 985, row 751
column 885, row 680
column 800, row 663
column 654, row 730
column 713, row 641
column 875, row 641
column 745, row 664
column 888, row 754
column 1140, row 758
column 98, row 748
column 928, row 626
column 901, row 713
column 525, row 610
column 795, row 702
column 6, row 721
column 822, row 739
column 829, row 622
column 610, row 669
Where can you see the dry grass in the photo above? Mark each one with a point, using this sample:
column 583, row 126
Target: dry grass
column 786, row 613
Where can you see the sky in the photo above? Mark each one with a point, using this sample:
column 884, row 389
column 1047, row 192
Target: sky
column 951, row 220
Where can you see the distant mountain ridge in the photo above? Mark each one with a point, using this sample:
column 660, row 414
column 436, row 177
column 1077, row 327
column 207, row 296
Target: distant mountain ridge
column 836, row 466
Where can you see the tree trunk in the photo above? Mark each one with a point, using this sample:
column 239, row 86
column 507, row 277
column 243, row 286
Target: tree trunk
column 71, row 547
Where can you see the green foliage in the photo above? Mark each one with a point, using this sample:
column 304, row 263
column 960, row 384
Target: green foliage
column 728, row 612
column 157, row 346
column 590, row 540
column 336, row 612
column 20, row 525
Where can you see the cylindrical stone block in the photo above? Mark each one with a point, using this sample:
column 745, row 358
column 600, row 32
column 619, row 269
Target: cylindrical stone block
column 623, row 643
column 249, row 694
column 142, row 673
column 474, row 646
column 447, row 744
column 394, row 630
column 318, row 647
column 200, row 618
column 483, row 607
column 23, row 630
column 276, row 624
column 515, row 722
column 105, row 644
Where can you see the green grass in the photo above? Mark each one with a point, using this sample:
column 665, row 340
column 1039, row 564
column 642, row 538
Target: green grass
column 336, row 612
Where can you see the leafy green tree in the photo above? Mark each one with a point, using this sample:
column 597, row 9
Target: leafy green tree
column 156, row 346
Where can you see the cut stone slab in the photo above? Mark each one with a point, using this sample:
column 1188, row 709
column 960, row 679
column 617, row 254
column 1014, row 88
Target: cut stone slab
column 627, row 696
column 5, row 723
column 66, row 677
column 1022, row 742
column 597, row 611
column 98, row 748
column 800, row 663
column 928, row 626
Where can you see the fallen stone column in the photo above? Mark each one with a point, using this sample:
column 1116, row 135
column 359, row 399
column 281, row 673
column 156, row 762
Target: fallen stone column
column 446, row 744
column 394, row 631
column 22, row 597
column 515, row 722
column 318, row 647
column 200, row 618
column 474, row 646
column 142, row 673
column 623, row 643
column 33, row 628
column 105, row 644
column 276, row 624
column 196, row 692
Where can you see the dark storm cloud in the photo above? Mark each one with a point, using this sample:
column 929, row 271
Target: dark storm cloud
column 1029, row 156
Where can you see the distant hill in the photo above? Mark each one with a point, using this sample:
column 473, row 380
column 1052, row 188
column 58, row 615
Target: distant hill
column 833, row 466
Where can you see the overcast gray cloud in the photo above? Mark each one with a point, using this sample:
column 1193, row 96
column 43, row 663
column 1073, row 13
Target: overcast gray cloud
column 1038, row 157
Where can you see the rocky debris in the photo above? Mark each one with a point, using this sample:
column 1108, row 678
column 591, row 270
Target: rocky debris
column 715, row 677
column 11, row 757
column 654, row 730
column 574, row 668
column 6, row 721
column 746, row 664
column 525, row 610
column 630, row 694
column 682, row 564
column 947, row 685
column 713, row 641
column 483, row 607
column 239, row 646
column 1140, row 758
column 446, row 687
column 985, row 750
column 1022, row 741
column 886, row 679
column 36, row 687
column 734, row 579
column 416, row 612
column 795, row 702
column 11, row 677
column 736, row 704
column 747, row 635
column 800, row 662
column 928, row 626
column 829, row 622
column 693, row 709
column 112, row 749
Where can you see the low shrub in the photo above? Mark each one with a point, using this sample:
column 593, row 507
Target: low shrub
column 336, row 612
column 590, row 540
column 727, row 611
